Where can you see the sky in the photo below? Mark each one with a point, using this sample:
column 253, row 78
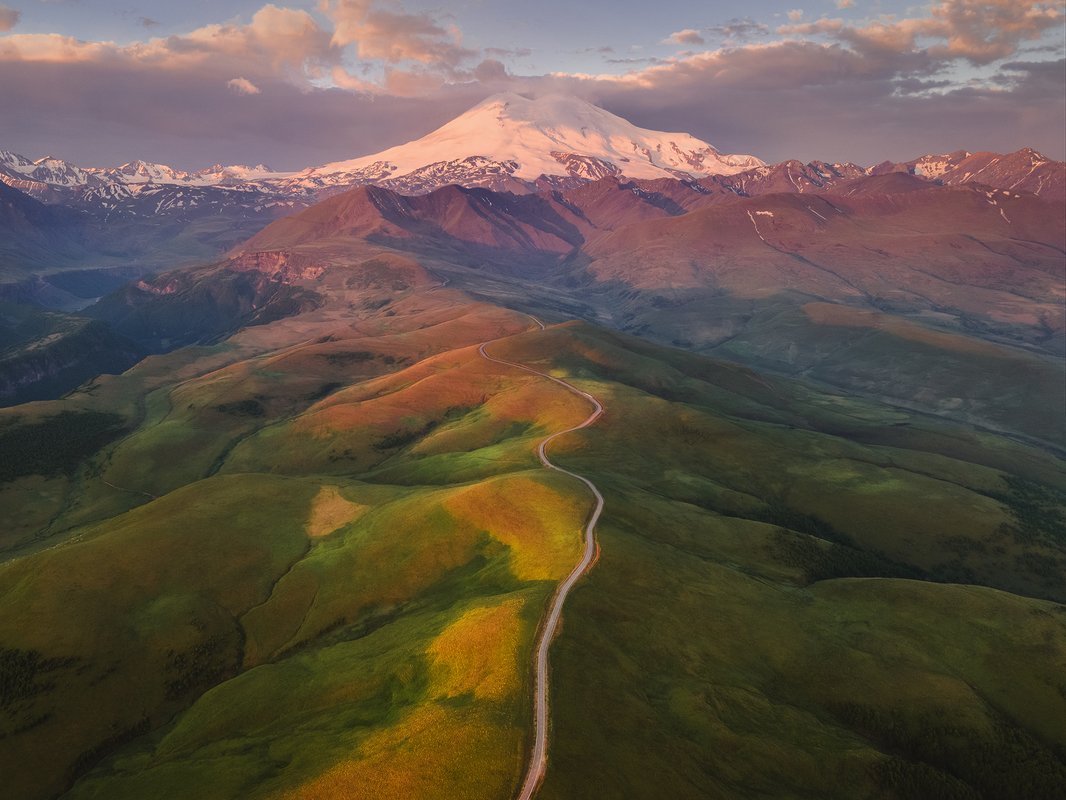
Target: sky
column 296, row 83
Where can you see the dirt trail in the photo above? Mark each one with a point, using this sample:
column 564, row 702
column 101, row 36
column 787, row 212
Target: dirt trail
column 538, row 761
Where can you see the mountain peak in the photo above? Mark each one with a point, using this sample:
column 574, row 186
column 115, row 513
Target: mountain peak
column 1035, row 155
column 551, row 135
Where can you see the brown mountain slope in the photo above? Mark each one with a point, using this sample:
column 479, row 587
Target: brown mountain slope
column 973, row 248
column 947, row 272
column 502, row 221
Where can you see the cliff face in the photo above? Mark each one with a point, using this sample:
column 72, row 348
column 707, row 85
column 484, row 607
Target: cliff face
column 46, row 353
column 62, row 360
column 203, row 305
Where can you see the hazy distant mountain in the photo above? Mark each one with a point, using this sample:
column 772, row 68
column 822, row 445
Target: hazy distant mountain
column 36, row 235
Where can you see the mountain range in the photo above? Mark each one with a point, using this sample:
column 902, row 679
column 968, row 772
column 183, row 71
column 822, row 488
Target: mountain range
column 56, row 216
column 507, row 142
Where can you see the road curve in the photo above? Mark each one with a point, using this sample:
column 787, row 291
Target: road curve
column 538, row 762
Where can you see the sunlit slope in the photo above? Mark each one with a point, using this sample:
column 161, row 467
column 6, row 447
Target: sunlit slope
column 174, row 418
column 373, row 592
column 395, row 649
column 450, row 417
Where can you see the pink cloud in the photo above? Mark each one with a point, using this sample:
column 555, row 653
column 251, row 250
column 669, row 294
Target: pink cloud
column 9, row 18
column 394, row 36
column 276, row 41
column 687, row 36
column 243, row 86
column 980, row 31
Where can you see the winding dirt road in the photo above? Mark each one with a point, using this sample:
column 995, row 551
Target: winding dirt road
column 538, row 762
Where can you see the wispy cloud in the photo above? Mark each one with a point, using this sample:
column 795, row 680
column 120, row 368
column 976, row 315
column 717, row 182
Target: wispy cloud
column 504, row 52
column 633, row 61
column 738, row 29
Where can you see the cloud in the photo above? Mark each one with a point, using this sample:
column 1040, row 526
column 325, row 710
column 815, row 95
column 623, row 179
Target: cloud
column 501, row 52
column 834, row 102
column 980, row 31
column 735, row 30
column 409, row 52
column 686, row 36
column 845, row 3
column 9, row 18
column 189, row 118
column 795, row 15
column 739, row 29
column 645, row 60
column 243, row 86
column 37, row 47
column 275, row 38
column 491, row 71
column 276, row 43
column 394, row 36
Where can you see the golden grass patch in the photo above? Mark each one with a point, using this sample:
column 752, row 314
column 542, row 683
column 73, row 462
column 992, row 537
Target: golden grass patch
column 478, row 653
column 540, row 525
column 436, row 751
column 329, row 511
column 423, row 392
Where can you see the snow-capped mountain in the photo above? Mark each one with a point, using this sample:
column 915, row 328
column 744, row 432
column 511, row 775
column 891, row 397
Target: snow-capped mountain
column 220, row 175
column 138, row 172
column 48, row 179
column 146, row 172
column 49, row 170
column 53, row 180
column 511, row 136
column 1026, row 170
